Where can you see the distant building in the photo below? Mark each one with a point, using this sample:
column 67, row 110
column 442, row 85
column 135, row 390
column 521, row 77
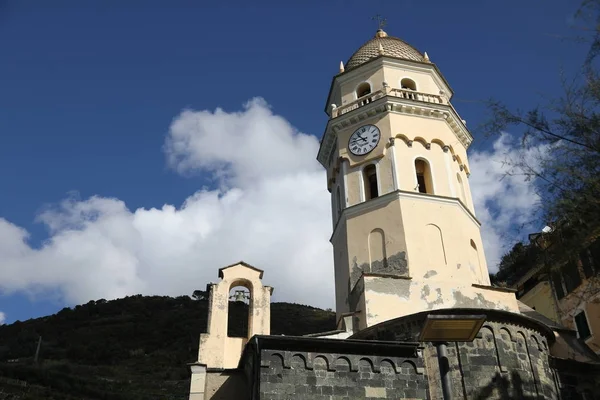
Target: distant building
column 417, row 315
column 566, row 291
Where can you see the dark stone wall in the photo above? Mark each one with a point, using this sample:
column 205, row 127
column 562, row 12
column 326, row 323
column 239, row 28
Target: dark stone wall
column 320, row 376
column 503, row 362
column 507, row 360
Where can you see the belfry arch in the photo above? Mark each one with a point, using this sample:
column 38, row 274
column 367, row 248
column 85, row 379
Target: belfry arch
column 217, row 349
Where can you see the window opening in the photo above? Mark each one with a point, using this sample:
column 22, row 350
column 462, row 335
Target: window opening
column 583, row 329
column 371, row 190
column 238, row 312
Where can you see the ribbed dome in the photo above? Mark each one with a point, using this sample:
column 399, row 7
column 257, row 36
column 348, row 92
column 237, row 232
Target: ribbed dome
column 382, row 44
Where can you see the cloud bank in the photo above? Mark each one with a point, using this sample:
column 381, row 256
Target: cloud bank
column 505, row 202
column 270, row 209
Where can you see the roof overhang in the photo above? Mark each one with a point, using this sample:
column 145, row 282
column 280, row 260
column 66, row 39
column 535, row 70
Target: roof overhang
column 260, row 271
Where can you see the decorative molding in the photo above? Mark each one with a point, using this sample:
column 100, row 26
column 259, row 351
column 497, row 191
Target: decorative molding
column 351, row 360
column 388, row 103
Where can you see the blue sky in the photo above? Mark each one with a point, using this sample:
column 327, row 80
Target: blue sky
column 89, row 91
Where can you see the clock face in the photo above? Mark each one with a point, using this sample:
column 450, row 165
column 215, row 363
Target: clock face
column 364, row 139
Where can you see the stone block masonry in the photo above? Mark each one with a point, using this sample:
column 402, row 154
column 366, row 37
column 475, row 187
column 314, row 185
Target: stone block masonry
column 320, row 376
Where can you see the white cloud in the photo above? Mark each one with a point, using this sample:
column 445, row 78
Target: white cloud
column 504, row 203
column 2, row 317
column 272, row 211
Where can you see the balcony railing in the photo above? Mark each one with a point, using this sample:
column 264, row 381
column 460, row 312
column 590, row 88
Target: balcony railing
column 399, row 93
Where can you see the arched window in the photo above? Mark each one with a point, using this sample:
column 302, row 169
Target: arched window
column 338, row 199
column 423, row 172
column 407, row 83
column 461, row 189
column 363, row 90
column 370, row 181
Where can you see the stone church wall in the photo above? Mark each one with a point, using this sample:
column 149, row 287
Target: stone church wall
column 503, row 362
column 320, row 376
column 509, row 359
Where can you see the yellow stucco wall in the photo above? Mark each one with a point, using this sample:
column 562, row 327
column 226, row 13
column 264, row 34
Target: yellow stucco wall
column 541, row 298
column 433, row 238
column 386, row 299
column 584, row 298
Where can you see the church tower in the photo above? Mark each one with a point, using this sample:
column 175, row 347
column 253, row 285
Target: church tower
column 405, row 235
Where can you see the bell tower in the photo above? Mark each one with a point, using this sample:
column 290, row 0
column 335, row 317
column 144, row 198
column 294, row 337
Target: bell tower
column 405, row 235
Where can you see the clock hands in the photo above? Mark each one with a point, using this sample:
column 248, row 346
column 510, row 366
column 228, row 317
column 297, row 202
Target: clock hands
column 359, row 137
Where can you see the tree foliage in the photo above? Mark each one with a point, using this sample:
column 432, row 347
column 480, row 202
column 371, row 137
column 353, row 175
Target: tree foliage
column 132, row 348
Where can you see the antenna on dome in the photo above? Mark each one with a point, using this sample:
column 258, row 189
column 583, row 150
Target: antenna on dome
column 381, row 22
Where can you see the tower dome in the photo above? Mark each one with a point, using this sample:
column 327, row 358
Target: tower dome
column 382, row 44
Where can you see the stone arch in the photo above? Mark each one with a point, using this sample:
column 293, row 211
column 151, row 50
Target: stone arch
column 421, row 140
column 343, row 363
column 387, row 367
column 276, row 360
column 438, row 142
column 321, row 362
column 377, row 250
column 527, row 364
column 366, row 365
column 435, row 246
column 409, row 364
column 404, row 138
column 507, row 331
column 298, row 361
column 537, row 343
column 451, row 150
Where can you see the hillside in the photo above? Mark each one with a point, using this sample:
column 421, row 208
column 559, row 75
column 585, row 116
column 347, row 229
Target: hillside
column 132, row 348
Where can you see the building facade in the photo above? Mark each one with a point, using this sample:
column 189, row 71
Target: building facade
column 410, row 270
column 568, row 292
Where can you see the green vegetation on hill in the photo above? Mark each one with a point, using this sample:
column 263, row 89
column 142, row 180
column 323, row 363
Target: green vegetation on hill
column 132, row 348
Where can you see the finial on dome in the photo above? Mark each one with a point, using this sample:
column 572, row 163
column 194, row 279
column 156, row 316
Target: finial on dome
column 341, row 66
column 381, row 22
column 426, row 57
column 380, row 33
column 380, row 49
